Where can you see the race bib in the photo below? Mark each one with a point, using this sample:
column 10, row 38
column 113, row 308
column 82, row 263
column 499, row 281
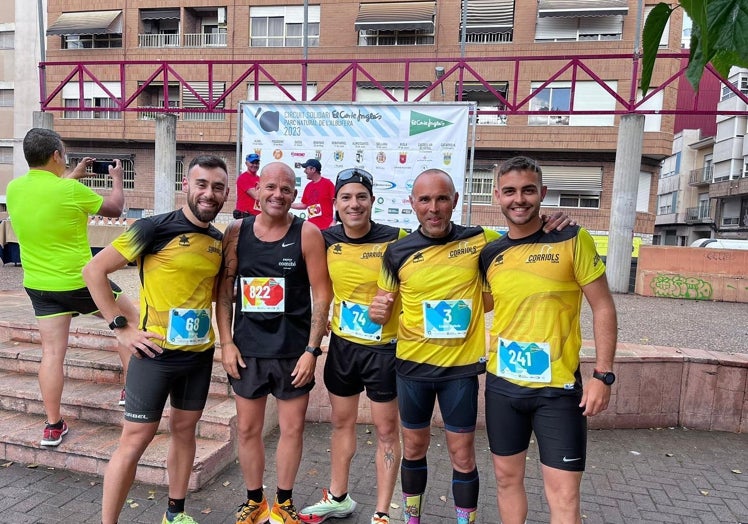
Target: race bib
column 527, row 361
column 354, row 320
column 188, row 327
column 315, row 210
column 263, row 294
column 446, row 318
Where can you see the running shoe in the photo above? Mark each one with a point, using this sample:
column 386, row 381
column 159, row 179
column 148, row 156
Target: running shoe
column 122, row 397
column 327, row 508
column 181, row 518
column 53, row 436
column 284, row 513
column 252, row 512
column 376, row 519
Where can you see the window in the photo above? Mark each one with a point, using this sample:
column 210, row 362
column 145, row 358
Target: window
column 6, row 98
column 6, row 155
column 652, row 122
column 178, row 174
column 667, row 203
column 91, row 41
column 93, row 96
column 579, row 200
column 283, row 26
column 189, row 99
column 482, row 189
column 368, row 92
column 105, row 181
column 570, row 29
column 572, row 186
column 642, row 192
column 6, row 39
column 395, row 37
column 271, row 92
column 488, row 21
column 740, row 83
column 556, row 96
column 486, row 100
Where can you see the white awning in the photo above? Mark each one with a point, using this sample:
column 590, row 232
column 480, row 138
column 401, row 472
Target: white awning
column 159, row 14
column 87, row 23
column 579, row 8
column 490, row 13
column 396, row 16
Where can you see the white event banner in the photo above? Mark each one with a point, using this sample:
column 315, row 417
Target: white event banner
column 392, row 141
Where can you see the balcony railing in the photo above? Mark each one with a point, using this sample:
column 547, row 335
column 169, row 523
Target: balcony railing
column 698, row 214
column 205, row 40
column 489, row 38
column 158, row 40
column 145, row 114
column 701, row 176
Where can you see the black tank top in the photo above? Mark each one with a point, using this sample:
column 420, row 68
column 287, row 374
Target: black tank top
column 273, row 334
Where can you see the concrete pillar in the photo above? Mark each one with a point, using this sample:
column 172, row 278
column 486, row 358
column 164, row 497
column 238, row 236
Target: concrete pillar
column 43, row 120
column 623, row 206
column 166, row 161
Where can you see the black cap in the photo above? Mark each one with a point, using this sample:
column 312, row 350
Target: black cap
column 313, row 162
column 356, row 175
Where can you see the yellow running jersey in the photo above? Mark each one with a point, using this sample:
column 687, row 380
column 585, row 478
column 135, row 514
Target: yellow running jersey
column 178, row 263
column 354, row 265
column 536, row 283
column 442, row 328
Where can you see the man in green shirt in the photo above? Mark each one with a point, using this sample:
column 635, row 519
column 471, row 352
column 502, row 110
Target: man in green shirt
column 49, row 210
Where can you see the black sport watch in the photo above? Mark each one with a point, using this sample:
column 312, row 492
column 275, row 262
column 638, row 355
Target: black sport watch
column 607, row 377
column 316, row 351
column 118, row 322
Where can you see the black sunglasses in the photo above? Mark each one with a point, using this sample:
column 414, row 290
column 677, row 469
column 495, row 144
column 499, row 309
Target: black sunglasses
column 347, row 174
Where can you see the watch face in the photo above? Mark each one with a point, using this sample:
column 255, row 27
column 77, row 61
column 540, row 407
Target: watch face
column 609, row 378
column 118, row 322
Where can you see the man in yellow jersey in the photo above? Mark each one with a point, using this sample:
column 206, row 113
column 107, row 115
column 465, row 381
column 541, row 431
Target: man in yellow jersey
column 534, row 383
column 361, row 354
column 49, row 211
column 441, row 337
column 278, row 326
column 179, row 257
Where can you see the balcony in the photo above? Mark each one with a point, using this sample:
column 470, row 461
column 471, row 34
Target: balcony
column 698, row 215
column 489, row 38
column 699, row 177
column 205, row 40
column 158, row 40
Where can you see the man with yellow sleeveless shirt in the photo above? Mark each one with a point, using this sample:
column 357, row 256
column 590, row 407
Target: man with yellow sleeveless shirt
column 179, row 256
column 361, row 354
column 537, row 281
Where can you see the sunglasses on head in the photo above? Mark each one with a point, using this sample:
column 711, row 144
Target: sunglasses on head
column 347, row 174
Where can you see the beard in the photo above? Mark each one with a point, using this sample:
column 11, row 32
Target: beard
column 202, row 216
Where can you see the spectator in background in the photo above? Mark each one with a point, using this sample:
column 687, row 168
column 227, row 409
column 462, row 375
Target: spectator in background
column 50, row 212
column 318, row 195
column 246, row 188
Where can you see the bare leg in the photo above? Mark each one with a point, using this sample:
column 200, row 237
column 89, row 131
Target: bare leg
column 562, row 492
column 120, row 472
column 54, row 333
column 291, row 414
column 386, row 421
column 342, row 441
column 181, row 456
column 510, row 487
column 250, row 414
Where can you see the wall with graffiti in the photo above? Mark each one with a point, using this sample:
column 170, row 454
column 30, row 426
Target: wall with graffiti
column 693, row 273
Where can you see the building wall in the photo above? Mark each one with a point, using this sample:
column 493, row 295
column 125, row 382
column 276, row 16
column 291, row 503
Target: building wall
column 338, row 39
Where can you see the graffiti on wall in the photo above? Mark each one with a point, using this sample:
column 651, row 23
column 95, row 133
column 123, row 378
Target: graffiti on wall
column 678, row 286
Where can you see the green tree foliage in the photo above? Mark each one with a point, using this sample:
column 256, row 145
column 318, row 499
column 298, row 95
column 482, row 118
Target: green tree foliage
column 719, row 36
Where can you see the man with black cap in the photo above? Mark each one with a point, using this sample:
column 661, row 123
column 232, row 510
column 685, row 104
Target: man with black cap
column 246, row 188
column 318, row 195
column 361, row 354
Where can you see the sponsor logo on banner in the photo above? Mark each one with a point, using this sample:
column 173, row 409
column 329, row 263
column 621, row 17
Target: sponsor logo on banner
column 296, row 153
column 318, row 154
column 277, row 154
column 403, row 157
column 421, row 123
column 381, row 157
column 359, row 156
column 338, row 156
column 384, row 184
column 447, row 158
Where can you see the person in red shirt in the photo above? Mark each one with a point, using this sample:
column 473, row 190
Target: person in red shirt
column 318, row 195
column 246, row 188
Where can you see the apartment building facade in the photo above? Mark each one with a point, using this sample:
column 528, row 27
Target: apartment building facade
column 255, row 51
column 703, row 186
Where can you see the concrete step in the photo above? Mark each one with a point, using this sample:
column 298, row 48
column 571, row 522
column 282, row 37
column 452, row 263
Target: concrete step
column 98, row 402
column 88, row 446
column 86, row 364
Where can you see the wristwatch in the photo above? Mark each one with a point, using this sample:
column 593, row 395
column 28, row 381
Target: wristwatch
column 316, row 351
column 607, row 377
column 118, row 322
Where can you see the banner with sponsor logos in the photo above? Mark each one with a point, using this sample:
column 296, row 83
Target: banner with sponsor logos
column 392, row 141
